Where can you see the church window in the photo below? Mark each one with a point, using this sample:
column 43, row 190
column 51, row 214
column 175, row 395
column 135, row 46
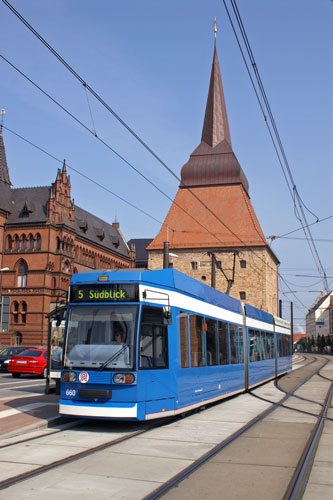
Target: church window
column 17, row 242
column 24, row 242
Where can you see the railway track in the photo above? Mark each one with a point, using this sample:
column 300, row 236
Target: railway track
column 126, row 438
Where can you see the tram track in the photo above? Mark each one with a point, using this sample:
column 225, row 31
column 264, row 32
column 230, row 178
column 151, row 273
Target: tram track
column 299, row 478
column 52, row 465
column 197, row 464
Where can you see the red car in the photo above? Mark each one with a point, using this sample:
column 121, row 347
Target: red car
column 33, row 361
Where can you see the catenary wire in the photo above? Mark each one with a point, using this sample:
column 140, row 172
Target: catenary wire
column 117, row 117
column 295, row 195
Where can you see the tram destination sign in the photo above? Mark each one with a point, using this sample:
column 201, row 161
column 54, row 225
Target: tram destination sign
column 106, row 292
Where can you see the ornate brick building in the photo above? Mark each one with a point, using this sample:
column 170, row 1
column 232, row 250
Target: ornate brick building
column 212, row 229
column 44, row 238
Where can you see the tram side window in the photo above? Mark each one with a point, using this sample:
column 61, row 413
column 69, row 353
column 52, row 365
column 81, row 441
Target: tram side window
column 185, row 362
column 197, row 341
column 224, row 343
column 153, row 339
column 252, row 345
column 211, row 342
column 263, row 346
column 241, row 345
column 268, row 345
column 233, row 343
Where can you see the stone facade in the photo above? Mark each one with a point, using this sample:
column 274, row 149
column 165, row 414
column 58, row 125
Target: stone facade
column 254, row 272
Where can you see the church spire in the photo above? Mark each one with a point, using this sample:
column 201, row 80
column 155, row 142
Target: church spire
column 216, row 125
column 4, row 173
column 213, row 162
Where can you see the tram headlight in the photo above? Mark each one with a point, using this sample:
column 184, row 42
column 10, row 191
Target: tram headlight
column 69, row 376
column 123, row 378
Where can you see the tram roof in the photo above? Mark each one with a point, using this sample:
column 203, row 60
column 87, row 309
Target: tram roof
column 168, row 278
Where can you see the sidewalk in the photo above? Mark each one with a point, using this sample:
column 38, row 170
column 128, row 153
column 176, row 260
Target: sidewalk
column 27, row 413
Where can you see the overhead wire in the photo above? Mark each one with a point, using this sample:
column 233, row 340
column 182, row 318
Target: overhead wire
column 87, row 87
column 298, row 203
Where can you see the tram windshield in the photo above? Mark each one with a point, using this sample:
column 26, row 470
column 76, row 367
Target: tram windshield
column 101, row 337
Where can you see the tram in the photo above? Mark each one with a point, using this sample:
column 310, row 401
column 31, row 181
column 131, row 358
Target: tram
column 142, row 345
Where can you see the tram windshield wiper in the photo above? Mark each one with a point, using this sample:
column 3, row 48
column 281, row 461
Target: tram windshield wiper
column 112, row 358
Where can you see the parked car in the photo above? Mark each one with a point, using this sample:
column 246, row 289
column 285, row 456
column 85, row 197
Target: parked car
column 6, row 353
column 31, row 361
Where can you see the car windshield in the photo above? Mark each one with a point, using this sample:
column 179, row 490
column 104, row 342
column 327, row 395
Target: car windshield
column 101, row 336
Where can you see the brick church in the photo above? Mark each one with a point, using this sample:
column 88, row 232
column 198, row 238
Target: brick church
column 44, row 238
column 211, row 228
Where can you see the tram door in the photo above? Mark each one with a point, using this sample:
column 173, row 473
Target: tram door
column 154, row 372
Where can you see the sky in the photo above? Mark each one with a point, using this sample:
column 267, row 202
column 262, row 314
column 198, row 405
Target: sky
column 150, row 61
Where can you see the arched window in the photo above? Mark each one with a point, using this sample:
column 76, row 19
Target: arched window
column 58, row 243
column 75, row 270
column 22, row 274
column 24, row 241
column 31, row 241
column 23, row 312
column 9, row 243
column 17, row 242
column 39, row 241
column 67, row 267
column 15, row 312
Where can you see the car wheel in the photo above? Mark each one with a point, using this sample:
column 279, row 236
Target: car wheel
column 16, row 375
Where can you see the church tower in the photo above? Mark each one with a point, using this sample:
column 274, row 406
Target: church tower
column 211, row 227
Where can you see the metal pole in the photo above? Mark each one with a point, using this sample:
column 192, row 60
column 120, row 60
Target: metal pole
column 292, row 325
column 280, row 308
column 213, row 281
column 166, row 255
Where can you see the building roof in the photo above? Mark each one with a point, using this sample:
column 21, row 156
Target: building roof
column 230, row 221
column 34, row 199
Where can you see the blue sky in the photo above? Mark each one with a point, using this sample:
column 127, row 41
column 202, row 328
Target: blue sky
column 151, row 61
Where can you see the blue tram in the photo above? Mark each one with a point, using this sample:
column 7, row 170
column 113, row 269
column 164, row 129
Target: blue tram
column 143, row 344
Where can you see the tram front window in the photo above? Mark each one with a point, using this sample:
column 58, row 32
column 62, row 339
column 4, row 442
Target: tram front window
column 101, row 337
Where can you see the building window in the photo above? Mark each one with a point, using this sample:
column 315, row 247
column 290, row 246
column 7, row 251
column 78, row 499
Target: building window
column 15, row 312
column 9, row 243
column 242, row 295
column 22, row 275
column 39, row 241
column 23, row 312
column 24, row 242
column 194, row 266
column 31, row 241
column 17, row 242
column 203, row 278
column 243, row 264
